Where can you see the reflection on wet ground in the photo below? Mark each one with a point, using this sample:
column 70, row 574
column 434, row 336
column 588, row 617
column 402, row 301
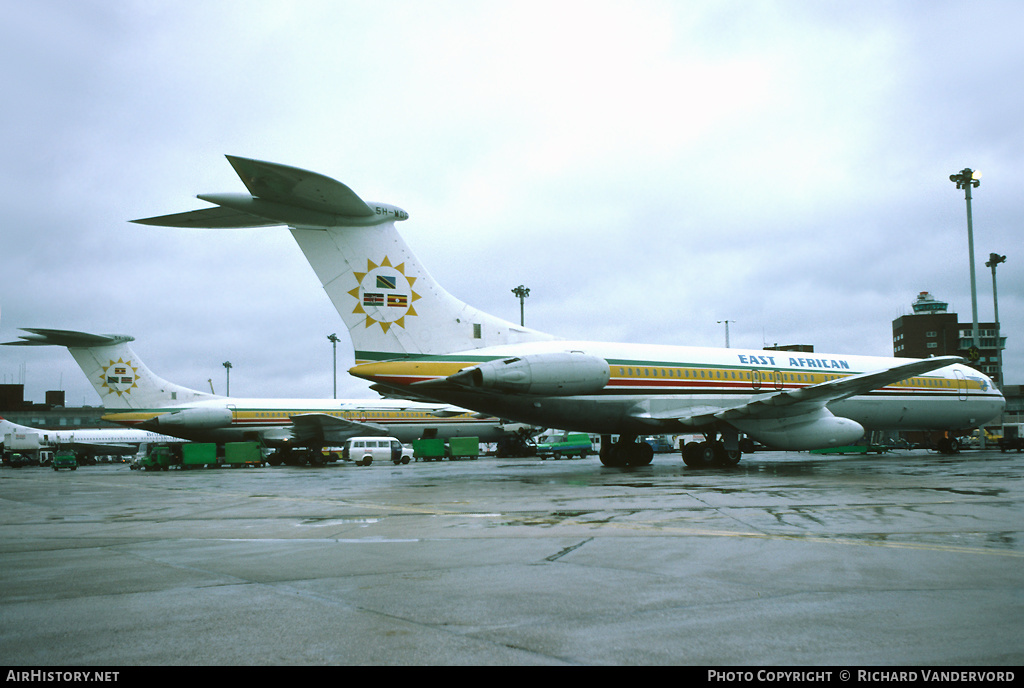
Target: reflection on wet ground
column 787, row 558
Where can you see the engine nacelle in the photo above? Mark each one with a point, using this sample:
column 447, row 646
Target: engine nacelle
column 195, row 419
column 819, row 430
column 564, row 373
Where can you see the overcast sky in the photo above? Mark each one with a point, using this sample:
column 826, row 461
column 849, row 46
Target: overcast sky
column 647, row 169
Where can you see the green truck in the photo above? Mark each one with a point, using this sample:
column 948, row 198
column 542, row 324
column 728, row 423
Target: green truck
column 64, row 460
column 159, row 458
column 566, row 445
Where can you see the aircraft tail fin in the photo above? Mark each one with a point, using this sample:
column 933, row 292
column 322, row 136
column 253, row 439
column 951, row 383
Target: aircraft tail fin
column 390, row 304
column 116, row 372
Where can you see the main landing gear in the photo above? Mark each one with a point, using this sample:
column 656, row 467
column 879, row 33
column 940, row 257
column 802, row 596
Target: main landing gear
column 715, row 452
column 626, row 452
column 726, row 451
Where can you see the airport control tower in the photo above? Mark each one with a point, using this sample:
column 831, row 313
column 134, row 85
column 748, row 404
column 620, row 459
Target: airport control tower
column 933, row 331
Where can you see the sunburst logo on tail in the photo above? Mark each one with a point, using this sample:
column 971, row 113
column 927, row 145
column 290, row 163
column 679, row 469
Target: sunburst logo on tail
column 120, row 377
column 384, row 295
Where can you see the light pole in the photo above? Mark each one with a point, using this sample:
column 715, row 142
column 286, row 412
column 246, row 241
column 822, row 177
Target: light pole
column 227, row 368
column 726, row 330
column 995, row 259
column 333, row 339
column 967, row 179
column 522, row 292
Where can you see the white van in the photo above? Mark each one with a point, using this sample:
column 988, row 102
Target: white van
column 363, row 450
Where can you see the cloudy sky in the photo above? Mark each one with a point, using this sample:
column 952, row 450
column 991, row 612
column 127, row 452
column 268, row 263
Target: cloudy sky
column 647, row 169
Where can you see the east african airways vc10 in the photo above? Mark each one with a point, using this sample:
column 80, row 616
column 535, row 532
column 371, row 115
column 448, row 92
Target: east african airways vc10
column 415, row 340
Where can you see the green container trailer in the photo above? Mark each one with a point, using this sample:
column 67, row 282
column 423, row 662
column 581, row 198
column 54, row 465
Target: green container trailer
column 464, row 448
column 428, row 449
column 197, row 454
column 243, row 454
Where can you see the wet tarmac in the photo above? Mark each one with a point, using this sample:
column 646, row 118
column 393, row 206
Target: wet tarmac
column 909, row 558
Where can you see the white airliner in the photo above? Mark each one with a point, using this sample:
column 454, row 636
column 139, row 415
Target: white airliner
column 90, row 442
column 414, row 339
column 134, row 396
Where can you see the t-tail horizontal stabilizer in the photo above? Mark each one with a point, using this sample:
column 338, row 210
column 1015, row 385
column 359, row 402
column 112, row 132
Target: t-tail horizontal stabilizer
column 117, row 374
column 282, row 195
column 390, row 304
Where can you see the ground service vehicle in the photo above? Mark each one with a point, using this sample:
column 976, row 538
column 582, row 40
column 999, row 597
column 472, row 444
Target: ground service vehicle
column 565, row 445
column 243, row 454
column 64, row 460
column 198, row 455
column 429, row 449
column 463, row 448
column 1013, row 437
column 363, row 450
column 158, row 458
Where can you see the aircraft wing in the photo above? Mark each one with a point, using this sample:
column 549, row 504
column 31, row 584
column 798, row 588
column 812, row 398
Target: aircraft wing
column 795, row 402
column 331, row 430
column 100, row 448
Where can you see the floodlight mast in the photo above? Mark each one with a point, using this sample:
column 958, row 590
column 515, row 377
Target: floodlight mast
column 522, row 292
column 333, row 339
column 967, row 179
column 995, row 259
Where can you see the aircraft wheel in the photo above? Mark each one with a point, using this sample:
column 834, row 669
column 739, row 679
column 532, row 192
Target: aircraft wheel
column 613, row 455
column 640, row 454
column 699, row 454
column 726, row 457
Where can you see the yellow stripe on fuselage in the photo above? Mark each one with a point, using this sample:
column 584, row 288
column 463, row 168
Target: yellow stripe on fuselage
column 670, row 376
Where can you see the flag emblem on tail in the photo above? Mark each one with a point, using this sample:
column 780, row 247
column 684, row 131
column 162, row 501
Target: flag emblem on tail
column 384, row 294
column 119, row 377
